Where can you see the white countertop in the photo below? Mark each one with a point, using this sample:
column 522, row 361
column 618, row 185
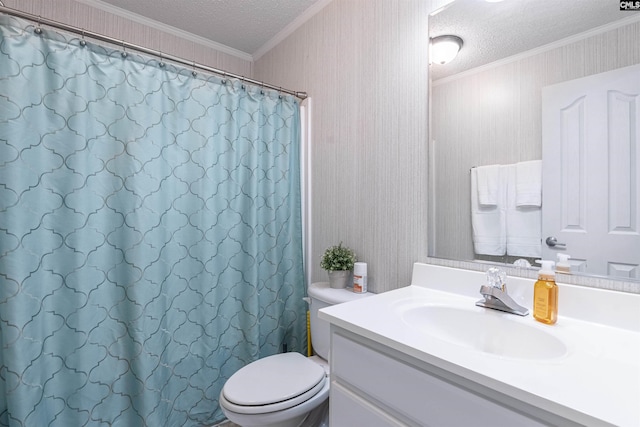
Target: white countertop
column 596, row 382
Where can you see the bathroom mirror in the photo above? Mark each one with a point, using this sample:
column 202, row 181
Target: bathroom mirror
column 486, row 104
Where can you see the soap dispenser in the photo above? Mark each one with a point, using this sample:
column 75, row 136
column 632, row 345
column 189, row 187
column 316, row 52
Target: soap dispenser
column 563, row 266
column 545, row 294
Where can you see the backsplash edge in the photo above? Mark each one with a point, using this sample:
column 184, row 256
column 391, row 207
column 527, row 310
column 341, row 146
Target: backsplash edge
column 572, row 279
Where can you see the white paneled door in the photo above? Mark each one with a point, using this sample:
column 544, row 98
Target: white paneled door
column 591, row 179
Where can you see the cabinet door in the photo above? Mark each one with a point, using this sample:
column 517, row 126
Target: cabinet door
column 411, row 393
column 349, row 410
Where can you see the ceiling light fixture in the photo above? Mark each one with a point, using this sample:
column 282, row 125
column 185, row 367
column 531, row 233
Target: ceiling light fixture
column 445, row 48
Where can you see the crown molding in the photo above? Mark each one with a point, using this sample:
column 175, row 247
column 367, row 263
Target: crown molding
column 106, row 7
column 289, row 29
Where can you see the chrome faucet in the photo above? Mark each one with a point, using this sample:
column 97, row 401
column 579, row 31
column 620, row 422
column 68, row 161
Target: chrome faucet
column 496, row 296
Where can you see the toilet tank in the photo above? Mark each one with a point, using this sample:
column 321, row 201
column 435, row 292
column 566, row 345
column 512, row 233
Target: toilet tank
column 321, row 295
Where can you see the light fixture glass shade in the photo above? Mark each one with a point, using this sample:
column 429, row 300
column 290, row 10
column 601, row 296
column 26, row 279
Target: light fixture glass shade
column 444, row 48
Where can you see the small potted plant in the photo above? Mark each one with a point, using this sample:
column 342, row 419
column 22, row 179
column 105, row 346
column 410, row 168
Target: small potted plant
column 338, row 261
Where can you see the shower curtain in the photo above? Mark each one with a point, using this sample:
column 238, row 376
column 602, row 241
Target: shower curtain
column 150, row 234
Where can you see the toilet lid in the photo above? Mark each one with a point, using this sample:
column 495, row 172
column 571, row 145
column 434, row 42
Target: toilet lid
column 273, row 379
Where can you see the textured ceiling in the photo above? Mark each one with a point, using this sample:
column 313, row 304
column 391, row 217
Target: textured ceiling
column 492, row 31
column 244, row 25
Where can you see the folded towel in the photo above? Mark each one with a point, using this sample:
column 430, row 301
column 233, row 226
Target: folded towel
column 489, row 185
column 529, row 183
column 489, row 222
column 524, row 223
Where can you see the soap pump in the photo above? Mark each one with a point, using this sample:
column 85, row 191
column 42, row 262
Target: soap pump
column 563, row 266
column 545, row 294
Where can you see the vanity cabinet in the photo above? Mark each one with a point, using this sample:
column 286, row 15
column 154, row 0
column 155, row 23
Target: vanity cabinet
column 425, row 355
column 374, row 385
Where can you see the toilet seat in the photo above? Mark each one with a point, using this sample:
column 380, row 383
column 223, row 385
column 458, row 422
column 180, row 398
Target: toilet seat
column 274, row 383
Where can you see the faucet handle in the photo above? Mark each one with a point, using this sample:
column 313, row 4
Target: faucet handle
column 497, row 278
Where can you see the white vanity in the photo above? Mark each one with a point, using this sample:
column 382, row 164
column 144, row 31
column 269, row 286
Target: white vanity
column 425, row 355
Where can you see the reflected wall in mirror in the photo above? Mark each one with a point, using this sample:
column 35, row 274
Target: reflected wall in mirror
column 486, row 105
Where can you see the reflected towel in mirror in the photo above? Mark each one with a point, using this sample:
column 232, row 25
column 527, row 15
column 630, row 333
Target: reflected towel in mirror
column 529, row 183
column 524, row 223
column 489, row 185
column 489, row 222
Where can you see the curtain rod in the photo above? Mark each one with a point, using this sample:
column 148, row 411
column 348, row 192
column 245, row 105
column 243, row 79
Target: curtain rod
column 111, row 40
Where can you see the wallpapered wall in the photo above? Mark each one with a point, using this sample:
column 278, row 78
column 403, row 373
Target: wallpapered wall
column 369, row 150
column 366, row 70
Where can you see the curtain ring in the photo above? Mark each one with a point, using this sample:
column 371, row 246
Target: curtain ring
column 83, row 43
column 161, row 63
column 261, row 88
column 193, row 72
column 280, row 92
column 242, row 81
column 124, row 50
column 224, row 78
column 38, row 30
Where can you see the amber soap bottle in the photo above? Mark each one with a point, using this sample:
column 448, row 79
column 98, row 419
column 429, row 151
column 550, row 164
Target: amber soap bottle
column 545, row 295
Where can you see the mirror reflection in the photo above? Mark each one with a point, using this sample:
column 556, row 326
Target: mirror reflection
column 519, row 96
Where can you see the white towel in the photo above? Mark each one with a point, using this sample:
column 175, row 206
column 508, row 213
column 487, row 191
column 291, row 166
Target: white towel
column 529, row 183
column 489, row 222
column 524, row 223
column 489, row 186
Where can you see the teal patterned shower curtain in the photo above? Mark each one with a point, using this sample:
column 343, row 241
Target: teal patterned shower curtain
column 150, row 234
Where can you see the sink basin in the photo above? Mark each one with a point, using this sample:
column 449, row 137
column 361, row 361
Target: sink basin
column 484, row 330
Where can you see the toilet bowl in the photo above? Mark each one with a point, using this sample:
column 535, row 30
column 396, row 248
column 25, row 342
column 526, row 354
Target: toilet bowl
column 287, row 389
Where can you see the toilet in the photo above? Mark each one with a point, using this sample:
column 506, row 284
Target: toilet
column 287, row 389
